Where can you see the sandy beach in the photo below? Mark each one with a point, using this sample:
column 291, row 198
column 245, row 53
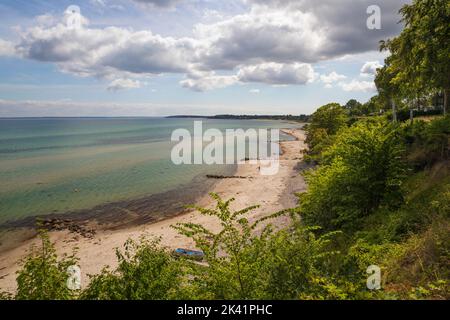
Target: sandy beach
column 273, row 193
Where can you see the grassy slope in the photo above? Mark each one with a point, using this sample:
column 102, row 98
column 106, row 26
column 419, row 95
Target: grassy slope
column 412, row 244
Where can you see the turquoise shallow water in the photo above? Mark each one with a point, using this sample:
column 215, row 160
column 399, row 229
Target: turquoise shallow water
column 59, row 165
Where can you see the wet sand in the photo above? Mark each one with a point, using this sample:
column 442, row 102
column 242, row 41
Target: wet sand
column 273, row 193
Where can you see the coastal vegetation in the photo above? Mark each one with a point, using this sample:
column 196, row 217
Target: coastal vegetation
column 378, row 194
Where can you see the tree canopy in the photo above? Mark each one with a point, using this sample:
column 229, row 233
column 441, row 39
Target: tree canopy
column 419, row 63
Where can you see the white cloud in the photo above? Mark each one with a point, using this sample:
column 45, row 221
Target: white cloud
column 105, row 53
column 207, row 81
column 158, row 3
column 332, row 77
column 275, row 42
column 7, row 48
column 103, row 4
column 120, row 84
column 254, row 91
column 46, row 20
column 100, row 3
column 212, row 15
column 259, row 37
column 342, row 23
column 278, row 74
column 370, row 68
column 355, row 86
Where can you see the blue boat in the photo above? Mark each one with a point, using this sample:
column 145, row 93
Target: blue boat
column 190, row 254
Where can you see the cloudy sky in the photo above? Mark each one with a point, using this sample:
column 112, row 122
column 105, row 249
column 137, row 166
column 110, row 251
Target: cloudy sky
column 162, row 57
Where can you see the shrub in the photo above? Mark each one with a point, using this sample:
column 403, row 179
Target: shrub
column 428, row 142
column 360, row 172
column 234, row 255
column 43, row 276
column 331, row 117
column 145, row 272
column 245, row 261
column 325, row 123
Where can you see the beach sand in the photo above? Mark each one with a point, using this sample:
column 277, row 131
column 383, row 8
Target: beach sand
column 273, row 193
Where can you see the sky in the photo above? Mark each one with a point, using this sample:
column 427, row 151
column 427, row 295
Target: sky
column 203, row 57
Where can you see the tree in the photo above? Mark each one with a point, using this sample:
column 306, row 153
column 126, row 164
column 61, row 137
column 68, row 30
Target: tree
column 421, row 53
column 387, row 89
column 325, row 123
column 330, row 117
column 375, row 105
column 353, row 107
column 360, row 171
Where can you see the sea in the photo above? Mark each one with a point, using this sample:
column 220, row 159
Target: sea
column 59, row 165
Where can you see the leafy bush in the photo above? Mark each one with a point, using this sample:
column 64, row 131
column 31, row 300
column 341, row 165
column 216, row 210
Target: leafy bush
column 325, row 123
column 421, row 269
column 145, row 272
column 360, row 172
column 428, row 142
column 43, row 276
column 245, row 261
column 300, row 266
column 404, row 114
column 235, row 255
column 331, row 117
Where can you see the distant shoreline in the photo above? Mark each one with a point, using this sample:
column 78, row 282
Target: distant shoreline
column 299, row 118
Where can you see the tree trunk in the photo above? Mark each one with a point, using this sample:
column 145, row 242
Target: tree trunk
column 394, row 112
column 446, row 94
column 411, row 110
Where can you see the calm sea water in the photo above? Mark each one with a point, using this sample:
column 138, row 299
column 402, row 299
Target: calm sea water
column 59, row 165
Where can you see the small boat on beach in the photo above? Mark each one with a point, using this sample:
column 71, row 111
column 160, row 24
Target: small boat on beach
column 190, row 254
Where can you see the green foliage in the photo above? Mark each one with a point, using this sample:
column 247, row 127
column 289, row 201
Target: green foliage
column 234, row 254
column 6, row 296
column 362, row 170
column 419, row 62
column 404, row 114
column 325, row 123
column 428, row 142
column 300, row 266
column 354, row 108
column 330, row 117
column 438, row 289
column 318, row 140
column 145, row 272
column 245, row 261
column 387, row 88
column 43, row 276
column 360, row 209
column 409, row 243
